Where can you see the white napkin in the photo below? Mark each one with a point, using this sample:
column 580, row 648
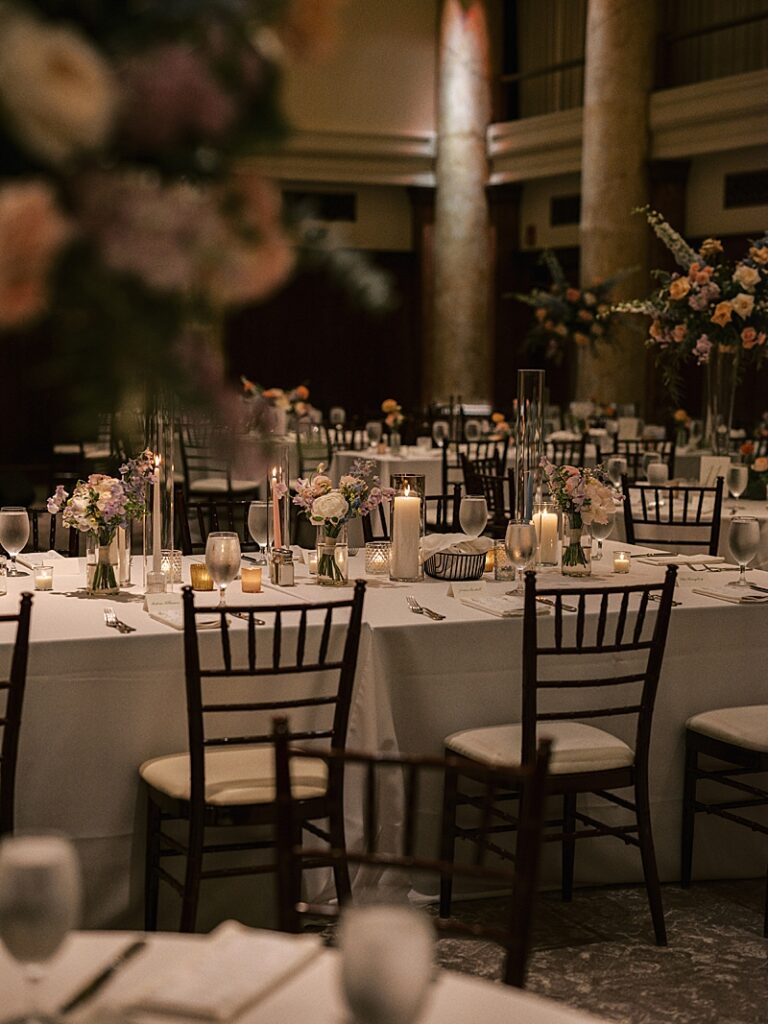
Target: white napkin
column 474, row 594
column 563, row 435
column 733, row 596
column 219, row 978
column 454, row 543
column 681, row 560
column 63, row 566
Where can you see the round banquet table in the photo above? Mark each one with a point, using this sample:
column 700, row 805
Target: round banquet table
column 99, row 703
column 311, row 992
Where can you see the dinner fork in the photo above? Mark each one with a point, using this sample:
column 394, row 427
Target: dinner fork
column 657, row 597
column 418, row 609
column 112, row 620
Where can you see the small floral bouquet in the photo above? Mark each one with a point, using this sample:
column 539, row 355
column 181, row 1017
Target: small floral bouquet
column 294, row 401
column 393, row 414
column 331, row 508
column 583, row 496
column 758, row 473
column 714, row 302
column 501, row 427
column 567, row 314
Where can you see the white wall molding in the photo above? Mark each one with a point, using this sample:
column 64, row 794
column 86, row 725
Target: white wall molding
column 353, row 158
column 535, row 147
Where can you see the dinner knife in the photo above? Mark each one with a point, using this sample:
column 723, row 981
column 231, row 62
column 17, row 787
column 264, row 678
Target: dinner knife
column 89, row 990
column 754, row 586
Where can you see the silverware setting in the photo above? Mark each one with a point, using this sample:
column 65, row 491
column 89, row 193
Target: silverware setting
column 94, row 985
column 657, row 597
column 111, row 620
column 418, row 609
column 552, row 604
column 246, row 617
column 754, row 586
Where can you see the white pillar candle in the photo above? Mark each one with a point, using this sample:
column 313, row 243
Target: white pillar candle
column 547, row 535
column 406, row 537
column 621, row 561
column 157, row 541
column 44, row 577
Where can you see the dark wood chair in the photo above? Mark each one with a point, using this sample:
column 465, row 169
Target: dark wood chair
column 677, row 516
column 206, row 460
column 634, row 450
column 452, row 452
column 738, row 739
column 568, row 453
column 441, row 512
column 418, row 776
column 314, row 449
column 227, row 776
column 487, row 478
column 11, row 704
column 196, row 519
column 45, row 534
column 585, row 759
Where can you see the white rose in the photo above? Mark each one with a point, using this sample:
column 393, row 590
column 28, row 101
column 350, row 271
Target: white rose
column 58, row 91
column 329, row 506
column 743, row 304
column 746, row 276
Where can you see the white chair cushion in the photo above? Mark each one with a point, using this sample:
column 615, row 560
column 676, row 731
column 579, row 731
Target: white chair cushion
column 747, row 727
column 219, row 485
column 235, row 775
column 575, row 747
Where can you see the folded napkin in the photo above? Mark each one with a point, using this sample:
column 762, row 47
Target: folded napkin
column 454, row 543
column 474, row 594
column 681, row 559
column 733, row 596
column 63, row 566
column 219, row 978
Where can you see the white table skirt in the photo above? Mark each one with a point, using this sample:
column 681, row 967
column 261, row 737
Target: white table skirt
column 98, row 704
column 311, row 993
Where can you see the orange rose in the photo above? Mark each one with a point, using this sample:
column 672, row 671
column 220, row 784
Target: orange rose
column 760, row 465
column 572, row 294
column 389, row 405
column 580, row 339
column 722, row 314
column 679, row 288
column 655, row 330
column 747, row 448
column 710, row 246
column 498, row 417
column 759, row 254
column 302, row 393
column 540, row 314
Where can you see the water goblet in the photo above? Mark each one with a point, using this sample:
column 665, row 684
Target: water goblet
column 258, row 527
column 222, row 558
column 373, row 430
column 386, row 963
column 473, row 515
column 473, row 430
column 520, row 544
column 14, row 534
column 598, row 532
column 649, row 458
column 39, row 906
column 616, row 467
column 744, row 542
column 738, row 476
column 440, row 432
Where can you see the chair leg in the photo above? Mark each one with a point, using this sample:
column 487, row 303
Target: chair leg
column 340, row 869
column 765, row 913
column 648, row 855
column 151, row 865
column 569, row 845
column 191, row 894
column 448, row 840
column 689, row 812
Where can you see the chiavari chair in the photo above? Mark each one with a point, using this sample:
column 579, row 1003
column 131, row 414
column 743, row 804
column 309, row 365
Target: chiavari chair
column 11, row 705
column 673, row 516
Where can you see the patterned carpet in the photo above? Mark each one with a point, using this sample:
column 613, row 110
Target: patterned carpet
column 597, row 953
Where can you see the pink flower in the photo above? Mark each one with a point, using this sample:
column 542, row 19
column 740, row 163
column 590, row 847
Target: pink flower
column 572, row 294
column 32, row 232
column 749, row 337
column 679, row 332
column 702, row 349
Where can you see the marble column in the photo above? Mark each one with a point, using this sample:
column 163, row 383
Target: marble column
column 461, row 350
column 618, row 78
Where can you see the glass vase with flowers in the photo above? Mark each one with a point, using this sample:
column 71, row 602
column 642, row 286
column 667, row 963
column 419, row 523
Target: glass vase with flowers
column 583, row 496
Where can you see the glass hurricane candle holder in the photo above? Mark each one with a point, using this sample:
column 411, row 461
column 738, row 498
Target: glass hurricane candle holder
column 44, row 577
column 170, row 564
column 547, row 522
column 408, row 527
column 377, row 557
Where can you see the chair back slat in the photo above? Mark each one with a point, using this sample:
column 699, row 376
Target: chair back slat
column 602, row 620
column 681, row 509
column 10, row 724
column 277, row 640
column 634, row 449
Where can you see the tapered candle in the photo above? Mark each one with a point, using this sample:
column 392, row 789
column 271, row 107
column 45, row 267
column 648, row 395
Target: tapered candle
column 157, row 542
column 278, row 539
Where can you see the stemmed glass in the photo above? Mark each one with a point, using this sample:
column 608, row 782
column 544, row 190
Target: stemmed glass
column 598, row 532
column 744, row 542
column 14, row 534
column 222, row 558
column 258, row 527
column 440, row 432
column 473, row 515
column 39, row 905
column 473, row 430
column 648, row 459
column 738, row 475
column 373, row 429
column 520, row 544
column 387, row 956
column 617, row 467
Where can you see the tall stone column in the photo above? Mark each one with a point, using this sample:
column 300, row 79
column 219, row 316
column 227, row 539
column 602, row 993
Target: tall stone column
column 618, row 79
column 461, row 351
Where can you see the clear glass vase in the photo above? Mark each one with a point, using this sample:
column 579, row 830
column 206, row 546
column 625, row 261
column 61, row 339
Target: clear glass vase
column 102, row 560
column 395, row 441
column 722, row 371
column 576, row 558
column 332, row 556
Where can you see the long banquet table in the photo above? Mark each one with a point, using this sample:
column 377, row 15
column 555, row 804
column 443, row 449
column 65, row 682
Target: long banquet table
column 99, row 703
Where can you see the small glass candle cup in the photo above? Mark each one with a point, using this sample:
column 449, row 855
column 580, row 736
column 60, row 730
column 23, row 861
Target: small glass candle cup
column 156, row 582
column 502, row 567
column 250, row 579
column 377, row 557
column 170, row 564
column 310, row 560
column 44, row 577
column 622, row 560
column 200, row 577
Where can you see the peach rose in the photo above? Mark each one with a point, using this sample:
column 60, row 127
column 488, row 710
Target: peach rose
column 743, row 305
column 301, row 392
column 746, row 277
column 710, row 246
column 759, row 254
column 572, row 294
column 679, row 332
column 679, row 288
column 722, row 314
column 656, row 331
column 749, row 337
column 760, row 465
column 580, row 339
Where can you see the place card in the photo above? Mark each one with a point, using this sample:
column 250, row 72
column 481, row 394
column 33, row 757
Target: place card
column 167, row 608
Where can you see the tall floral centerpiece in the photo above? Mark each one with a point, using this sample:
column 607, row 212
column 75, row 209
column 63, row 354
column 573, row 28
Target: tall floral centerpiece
column 583, row 496
column 101, row 505
column 714, row 312
column 331, row 508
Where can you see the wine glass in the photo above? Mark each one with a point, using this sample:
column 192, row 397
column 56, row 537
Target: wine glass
column 744, row 542
column 617, row 468
column 373, row 429
column 473, row 515
column 738, row 475
column 520, row 545
column 222, row 558
column 14, row 534
column 258, row 527
column 387, row 957
column 598, row 532
column 39, row 905
column 473, row 430
column 648, row 459
column 440, row 432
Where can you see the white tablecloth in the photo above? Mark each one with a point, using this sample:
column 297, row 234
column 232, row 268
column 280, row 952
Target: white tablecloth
column 311, row 993
column 426, row 462
column 98, row 704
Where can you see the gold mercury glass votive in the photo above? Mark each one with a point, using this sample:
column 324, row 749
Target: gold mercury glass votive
column 200, row 577
column 250, row 579
column 622, row 560
column 377, row 557
column 503, row 569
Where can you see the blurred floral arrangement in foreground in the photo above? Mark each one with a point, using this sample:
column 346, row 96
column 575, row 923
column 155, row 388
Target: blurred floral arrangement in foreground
column 127, row 220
